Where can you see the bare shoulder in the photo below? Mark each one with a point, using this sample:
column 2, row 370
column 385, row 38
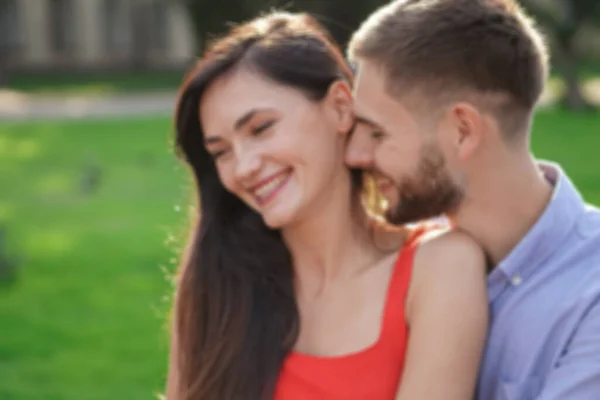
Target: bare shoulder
column 451, row 250
column 446, row 264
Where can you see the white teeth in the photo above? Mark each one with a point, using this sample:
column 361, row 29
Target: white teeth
column 265, row 190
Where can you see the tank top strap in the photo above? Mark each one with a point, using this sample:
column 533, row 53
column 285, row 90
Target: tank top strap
column 394, row 327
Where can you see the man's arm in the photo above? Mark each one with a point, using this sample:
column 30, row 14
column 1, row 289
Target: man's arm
column 577, row 373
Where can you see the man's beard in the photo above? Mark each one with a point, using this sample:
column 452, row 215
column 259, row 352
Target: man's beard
column 427, row 194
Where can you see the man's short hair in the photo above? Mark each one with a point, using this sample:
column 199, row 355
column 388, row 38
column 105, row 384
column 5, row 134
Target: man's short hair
column 484, row 51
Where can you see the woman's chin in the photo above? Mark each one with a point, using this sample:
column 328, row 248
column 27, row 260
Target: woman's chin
column 275, row 222
column 278, row 219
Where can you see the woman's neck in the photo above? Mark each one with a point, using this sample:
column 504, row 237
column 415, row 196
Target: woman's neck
column 331, row 243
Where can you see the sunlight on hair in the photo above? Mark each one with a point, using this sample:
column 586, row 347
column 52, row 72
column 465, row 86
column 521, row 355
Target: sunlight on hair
column 374, row 203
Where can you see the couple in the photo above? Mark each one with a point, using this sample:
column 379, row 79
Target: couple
column 291, row 289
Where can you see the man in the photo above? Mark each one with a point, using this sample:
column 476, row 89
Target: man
column 446, row 91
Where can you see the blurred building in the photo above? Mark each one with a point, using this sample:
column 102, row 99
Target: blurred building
column 96, row 34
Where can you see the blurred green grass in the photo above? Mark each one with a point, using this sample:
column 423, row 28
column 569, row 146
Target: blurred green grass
column 90, row 84
column 572, row 140
column 85, row 318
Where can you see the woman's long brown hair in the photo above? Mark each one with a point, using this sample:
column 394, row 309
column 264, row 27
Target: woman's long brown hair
column 235, row 315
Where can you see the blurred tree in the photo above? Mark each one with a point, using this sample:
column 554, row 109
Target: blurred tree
column 211, row 17
column 3, row 46
column 140, row 36
column 341, row 17
column 563, row 20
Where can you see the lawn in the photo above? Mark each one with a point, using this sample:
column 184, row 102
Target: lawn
column 100, row 83
column 573, row 140
column 94, row 212
column 91, row 209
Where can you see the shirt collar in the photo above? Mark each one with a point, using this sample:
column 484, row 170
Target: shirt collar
column 551, row 229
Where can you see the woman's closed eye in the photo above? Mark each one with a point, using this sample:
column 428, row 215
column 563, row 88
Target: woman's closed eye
column 257, row 130
column 262, row 127
column 376, row 134
column 217, row 153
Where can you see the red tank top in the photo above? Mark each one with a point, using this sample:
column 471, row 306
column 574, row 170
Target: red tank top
column 370, row 374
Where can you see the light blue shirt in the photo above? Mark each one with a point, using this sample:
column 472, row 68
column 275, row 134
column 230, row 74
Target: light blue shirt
column 544, row 338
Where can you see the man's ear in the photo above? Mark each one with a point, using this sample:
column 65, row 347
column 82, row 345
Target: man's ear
column 466, row 125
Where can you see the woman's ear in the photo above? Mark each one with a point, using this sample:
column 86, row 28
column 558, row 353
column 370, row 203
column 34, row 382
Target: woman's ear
column 339, row 104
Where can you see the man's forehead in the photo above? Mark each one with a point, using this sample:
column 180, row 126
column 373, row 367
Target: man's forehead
column 361, row 108
column 363, row 111
column 366, row 95
column 368, row 89
column 370, row 71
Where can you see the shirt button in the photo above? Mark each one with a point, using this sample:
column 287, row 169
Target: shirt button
column 516, row 280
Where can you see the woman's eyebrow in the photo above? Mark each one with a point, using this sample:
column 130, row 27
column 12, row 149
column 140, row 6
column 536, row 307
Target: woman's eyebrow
column 244, row 119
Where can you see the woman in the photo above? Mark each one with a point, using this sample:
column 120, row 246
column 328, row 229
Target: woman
column 288, row 290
